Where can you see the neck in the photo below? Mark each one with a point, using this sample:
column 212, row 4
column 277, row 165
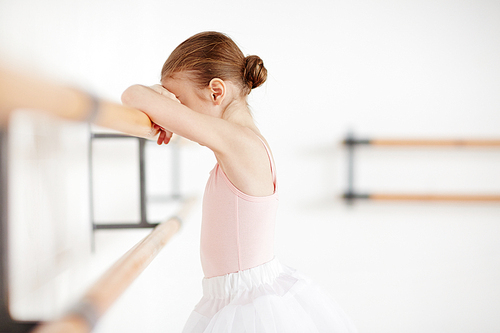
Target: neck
column 238, row 112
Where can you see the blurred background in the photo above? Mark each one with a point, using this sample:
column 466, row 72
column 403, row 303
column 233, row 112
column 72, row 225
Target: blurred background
column 402, row 69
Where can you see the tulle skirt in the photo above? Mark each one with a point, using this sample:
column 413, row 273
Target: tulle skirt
column 270, row 298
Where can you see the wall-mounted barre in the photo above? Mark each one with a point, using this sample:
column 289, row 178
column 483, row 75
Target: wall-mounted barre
column 23, row 91
column 350, row 141
column 350, row 195
column 18, row 91
column 99, row 298
column 421, row 197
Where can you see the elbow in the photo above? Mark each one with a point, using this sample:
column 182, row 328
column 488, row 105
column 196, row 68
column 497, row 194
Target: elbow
column 130, row 95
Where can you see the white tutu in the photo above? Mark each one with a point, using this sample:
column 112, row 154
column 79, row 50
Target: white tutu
column 270, row 298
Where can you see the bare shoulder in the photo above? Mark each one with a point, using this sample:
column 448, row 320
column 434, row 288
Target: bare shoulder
column 247, row 164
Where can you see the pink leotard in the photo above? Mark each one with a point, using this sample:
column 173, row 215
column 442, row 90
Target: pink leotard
column 237, row 229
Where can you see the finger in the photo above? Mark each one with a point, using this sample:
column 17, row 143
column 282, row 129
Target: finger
column 161, row 138
column 156, row 130
column 168, row 136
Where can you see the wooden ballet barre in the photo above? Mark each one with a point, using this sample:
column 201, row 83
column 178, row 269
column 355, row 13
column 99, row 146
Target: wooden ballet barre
column 425, row 142
column 99, row 298
column 20, row 91
column 423, row 197
column 351, row 142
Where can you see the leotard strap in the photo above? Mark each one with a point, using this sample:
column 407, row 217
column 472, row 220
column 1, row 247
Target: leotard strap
column 273, row 171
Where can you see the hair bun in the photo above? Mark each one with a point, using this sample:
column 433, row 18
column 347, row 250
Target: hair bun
column 255, row 73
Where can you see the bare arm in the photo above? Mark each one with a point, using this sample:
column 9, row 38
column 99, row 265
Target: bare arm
column 238, row 149
column 167, row 112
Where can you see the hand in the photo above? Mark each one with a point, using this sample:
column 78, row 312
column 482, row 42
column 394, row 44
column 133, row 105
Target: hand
column 164, row 136
column 162, row 91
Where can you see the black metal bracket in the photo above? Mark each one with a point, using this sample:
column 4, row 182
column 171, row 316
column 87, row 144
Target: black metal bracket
column 7, row 323
column 350, row 194
column 175, row 195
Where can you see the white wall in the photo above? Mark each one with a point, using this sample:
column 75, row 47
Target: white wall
column 381, row 68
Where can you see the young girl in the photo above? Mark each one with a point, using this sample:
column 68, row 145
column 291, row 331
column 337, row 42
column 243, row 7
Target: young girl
column 203, row 97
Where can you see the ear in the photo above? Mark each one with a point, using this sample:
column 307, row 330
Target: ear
column 218, row 90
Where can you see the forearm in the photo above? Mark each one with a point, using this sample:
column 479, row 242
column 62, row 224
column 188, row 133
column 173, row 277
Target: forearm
column 166, row 111
column 142, row 98
column 158, row 106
